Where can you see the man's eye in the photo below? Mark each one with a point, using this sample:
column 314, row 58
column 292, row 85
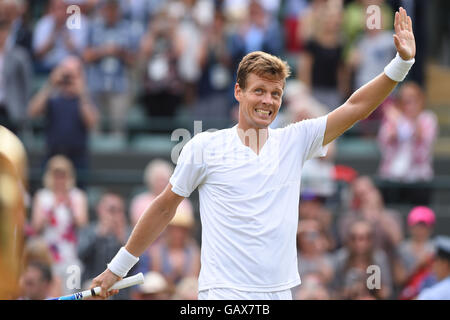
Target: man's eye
column 258, row 90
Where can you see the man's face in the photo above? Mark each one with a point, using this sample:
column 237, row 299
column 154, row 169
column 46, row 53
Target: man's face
column 259, row 102
column 34, row 287
column 441, row 268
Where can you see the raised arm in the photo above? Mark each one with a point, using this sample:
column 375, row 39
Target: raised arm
column 367, row 98
column 153, row 221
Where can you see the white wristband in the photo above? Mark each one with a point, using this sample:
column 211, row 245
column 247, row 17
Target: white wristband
column 122, row 262
column 398, row 68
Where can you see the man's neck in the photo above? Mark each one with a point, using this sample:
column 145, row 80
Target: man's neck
column 254, row 138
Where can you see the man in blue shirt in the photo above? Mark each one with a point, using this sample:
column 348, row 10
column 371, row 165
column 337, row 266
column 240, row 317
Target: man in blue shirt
column 69, row 113
column 441, row 290
column 108, row 54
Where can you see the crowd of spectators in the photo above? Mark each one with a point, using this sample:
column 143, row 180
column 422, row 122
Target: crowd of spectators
column 181, row 55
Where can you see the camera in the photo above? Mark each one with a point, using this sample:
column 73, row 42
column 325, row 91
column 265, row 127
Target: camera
column 66, row 79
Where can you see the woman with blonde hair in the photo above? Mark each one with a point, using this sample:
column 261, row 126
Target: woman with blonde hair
column 59, row 209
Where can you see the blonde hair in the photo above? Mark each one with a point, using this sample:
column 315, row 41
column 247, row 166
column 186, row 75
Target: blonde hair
column 59, row 162
column 263, row 65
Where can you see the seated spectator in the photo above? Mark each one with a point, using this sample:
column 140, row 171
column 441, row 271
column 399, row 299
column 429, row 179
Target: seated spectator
column 368, row 204
column 58, row 210
column 441, row 267
column 16, row 76
column 417, row 252
column 36, row 282
column 36, row 250
column 355, row 286
column 406, row 137
column 159, row 54
column 177, row 255
column 69, row 112
column 156, row 177
column 100, row 241
column 108, row 54
column 52, row 40
column 359, row 253
column 312, row 252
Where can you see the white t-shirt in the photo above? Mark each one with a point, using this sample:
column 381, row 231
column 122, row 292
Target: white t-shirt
column 248, row 203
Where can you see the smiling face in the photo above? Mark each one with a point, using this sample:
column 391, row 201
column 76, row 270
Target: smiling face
column 259, row 87
column 259, row 102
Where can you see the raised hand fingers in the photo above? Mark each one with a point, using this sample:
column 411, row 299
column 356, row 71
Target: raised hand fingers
column 409, row 24
column 397, row 23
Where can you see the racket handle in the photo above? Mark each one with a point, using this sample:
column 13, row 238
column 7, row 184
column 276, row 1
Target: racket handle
column 124, row 283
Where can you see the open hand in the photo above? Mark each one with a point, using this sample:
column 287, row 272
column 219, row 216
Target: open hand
column 404, row 37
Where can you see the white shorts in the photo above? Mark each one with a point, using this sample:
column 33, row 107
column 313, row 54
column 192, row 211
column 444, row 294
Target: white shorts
column 233, row 294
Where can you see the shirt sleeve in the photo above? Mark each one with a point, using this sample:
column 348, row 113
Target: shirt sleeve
column 191, row 169
column 313, row 132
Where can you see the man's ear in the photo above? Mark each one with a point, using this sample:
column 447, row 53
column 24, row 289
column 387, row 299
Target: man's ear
column 237, row 92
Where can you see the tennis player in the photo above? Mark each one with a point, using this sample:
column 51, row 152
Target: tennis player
column 248, row 178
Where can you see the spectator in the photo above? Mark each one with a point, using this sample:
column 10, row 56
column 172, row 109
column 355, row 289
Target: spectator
column 292, row 12
column 321, row 65
column 215, row 81
column 156, row 177
column 312, row 252
column 441, row 266
column 155, row 287
column 159, row 53
column 312, row 207
column 69, row 112
column 15, row 81
column 14, row 11
column 355, row 286
column 358, row 254
column 417, row 252
column 99, row 241
column 406, row 137
column 255, row 32
column 178, row 255
column 36, row 282
column 371, row 52
column 311, row 17
column 58, row 210
column 37, row 251
column 367, row 203
column 108, row 55
column 356, row 18
column 53, row 41
column 191, row 19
